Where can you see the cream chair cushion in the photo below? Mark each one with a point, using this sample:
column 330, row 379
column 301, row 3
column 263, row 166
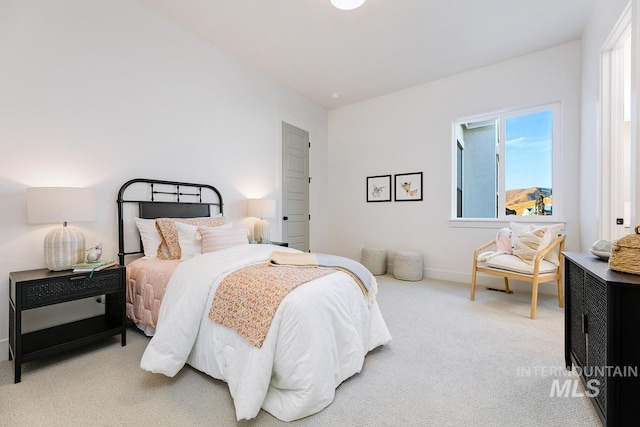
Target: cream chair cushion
column 514, row 263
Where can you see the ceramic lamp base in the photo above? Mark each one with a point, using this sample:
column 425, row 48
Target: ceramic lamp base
column 261, row 231
column 63, row 247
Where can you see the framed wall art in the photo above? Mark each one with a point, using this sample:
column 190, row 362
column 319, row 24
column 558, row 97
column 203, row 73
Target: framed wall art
column 408, row 186
column 379, row 188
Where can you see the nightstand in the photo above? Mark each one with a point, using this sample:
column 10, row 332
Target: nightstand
column 38, row 288
column 285, row 244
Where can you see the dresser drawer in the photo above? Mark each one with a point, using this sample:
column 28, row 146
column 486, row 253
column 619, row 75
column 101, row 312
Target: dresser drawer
column 54, row 290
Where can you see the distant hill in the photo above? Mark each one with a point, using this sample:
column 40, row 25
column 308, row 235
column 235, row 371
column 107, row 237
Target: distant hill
column 525, row 198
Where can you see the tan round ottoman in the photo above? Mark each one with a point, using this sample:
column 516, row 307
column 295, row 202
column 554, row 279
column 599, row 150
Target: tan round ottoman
column 407, row 265
column 375, row 259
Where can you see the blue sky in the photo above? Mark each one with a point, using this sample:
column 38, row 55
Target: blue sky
column 528, row 150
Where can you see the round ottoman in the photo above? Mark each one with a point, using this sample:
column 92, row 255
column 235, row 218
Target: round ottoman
column 407, row 265
column 375, row 259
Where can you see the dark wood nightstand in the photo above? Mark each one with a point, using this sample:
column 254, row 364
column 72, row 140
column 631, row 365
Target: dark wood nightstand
column 38, row 288
column 285, row 244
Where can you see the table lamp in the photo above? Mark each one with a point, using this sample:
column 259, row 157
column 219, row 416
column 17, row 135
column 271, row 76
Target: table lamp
column 64, row 246
column 261, row 208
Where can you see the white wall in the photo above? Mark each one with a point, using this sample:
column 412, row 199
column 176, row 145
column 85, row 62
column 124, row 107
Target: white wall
column 411, row 131
column 603, row 19
column 95, row 93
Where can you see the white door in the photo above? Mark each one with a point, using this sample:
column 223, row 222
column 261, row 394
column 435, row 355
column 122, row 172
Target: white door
column 616, row 182
column 295, row 187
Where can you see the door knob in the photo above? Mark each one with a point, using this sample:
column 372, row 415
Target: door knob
column 284, row 218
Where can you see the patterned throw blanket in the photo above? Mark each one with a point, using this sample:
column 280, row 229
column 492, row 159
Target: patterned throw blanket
column 247, row 299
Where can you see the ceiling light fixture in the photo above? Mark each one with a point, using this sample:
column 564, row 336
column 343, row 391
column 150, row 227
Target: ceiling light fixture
column 347, row 4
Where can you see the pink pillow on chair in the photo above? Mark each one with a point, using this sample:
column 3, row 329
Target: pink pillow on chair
column 503, row 241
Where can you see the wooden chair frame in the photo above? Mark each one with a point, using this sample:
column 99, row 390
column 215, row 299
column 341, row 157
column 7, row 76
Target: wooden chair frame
column 535, row 278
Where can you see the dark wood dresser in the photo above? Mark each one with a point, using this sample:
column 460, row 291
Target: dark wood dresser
column 602, row 336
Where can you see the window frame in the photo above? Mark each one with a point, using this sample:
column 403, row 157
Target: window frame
column 500, row 118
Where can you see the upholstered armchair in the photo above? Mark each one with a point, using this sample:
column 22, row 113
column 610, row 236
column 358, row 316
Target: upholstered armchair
column 536, row 257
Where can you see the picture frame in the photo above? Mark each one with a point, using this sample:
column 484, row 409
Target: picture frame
column 408, row 187
column 379, row 188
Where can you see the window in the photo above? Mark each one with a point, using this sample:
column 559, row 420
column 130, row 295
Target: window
column 505, row 164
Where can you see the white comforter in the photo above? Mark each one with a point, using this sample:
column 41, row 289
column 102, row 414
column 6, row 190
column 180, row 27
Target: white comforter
column 319, row 337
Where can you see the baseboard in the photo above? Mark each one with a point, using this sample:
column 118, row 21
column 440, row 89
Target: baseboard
column 454, row 276
column 446, row 275
column 4, row 349
column 488, row 281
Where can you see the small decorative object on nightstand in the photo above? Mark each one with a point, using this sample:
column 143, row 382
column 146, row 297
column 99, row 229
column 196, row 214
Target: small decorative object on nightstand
column 39, row 288
column 94, row 253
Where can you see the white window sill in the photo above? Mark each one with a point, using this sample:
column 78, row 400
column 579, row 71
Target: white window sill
column 495, row 223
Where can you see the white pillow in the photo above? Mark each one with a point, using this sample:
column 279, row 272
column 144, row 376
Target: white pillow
column 218, row 238
column 531, row 239
column 149, row 235
column 189, row 240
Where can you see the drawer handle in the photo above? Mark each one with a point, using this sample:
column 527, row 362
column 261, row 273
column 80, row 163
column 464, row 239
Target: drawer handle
column 585, row 323
column 77, row 278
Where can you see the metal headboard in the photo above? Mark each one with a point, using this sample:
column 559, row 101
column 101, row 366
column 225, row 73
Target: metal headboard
column 164, row 199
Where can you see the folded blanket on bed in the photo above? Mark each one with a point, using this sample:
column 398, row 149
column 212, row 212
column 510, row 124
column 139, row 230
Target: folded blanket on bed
column 357, row 271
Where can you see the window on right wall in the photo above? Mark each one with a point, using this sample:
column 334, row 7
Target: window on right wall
column 506, row 164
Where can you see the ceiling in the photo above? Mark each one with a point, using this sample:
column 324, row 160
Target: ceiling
column 381, row 47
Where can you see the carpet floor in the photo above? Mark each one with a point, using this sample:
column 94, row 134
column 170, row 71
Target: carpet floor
column 452, row 362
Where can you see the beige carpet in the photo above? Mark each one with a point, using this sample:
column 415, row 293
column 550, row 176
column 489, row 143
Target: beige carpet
column 452, row 362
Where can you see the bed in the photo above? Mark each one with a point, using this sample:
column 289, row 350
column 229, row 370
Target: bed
column 288, row 363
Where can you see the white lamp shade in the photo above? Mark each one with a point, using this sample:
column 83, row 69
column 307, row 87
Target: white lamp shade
column 64, row 246
column 261, row 208
column 347, row 4
column 60, row 204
